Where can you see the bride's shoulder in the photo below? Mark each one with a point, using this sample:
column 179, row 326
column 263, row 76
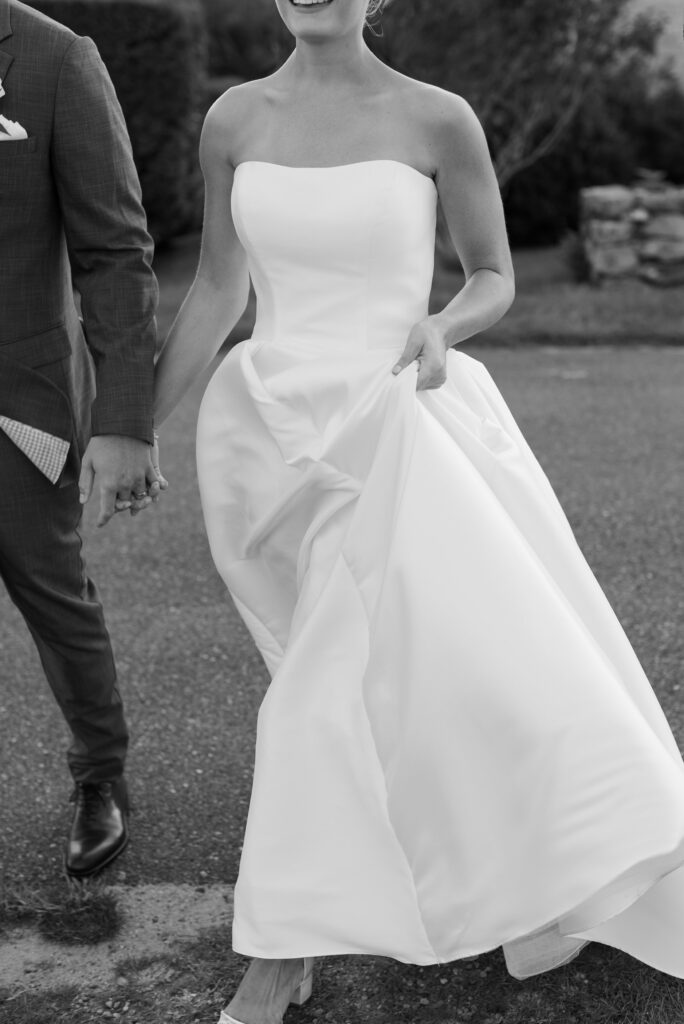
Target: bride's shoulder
column 235, row 103
column 230, row 117
column 445, row 123
column 433, row 109
column 246, row 99
column 443, row 128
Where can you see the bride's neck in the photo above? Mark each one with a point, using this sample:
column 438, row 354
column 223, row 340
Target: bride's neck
column 330, row 63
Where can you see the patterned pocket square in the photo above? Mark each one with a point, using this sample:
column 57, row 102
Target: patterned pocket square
column 11, row 131
column 46, row 452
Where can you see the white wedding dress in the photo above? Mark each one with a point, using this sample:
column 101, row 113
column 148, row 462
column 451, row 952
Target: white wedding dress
column 458, row 749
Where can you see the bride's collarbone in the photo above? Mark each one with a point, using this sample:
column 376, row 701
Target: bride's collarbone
column 348, row 111
column 317, row 133
column 301, row 140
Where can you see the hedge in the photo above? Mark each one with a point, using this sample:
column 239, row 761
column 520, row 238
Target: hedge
column 247, row 38
column 155, row 52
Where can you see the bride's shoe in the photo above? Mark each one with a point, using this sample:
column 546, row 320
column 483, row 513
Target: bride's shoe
column 298, row 997
column 305, row 987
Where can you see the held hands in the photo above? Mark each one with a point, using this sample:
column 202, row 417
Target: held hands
column 141, row 502
column 126, row 473
column 428, row 347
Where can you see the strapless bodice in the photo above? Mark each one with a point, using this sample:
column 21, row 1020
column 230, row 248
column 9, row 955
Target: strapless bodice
column 337, row 255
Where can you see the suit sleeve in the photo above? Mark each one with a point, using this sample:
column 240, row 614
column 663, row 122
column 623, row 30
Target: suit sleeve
column 109, row 247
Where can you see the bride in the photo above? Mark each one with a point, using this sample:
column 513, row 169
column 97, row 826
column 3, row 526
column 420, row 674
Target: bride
column 458, row 749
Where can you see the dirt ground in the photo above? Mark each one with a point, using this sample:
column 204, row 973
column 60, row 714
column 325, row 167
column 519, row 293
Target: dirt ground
column 155, row 921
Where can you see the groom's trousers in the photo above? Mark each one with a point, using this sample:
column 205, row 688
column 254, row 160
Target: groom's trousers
column 43, row 570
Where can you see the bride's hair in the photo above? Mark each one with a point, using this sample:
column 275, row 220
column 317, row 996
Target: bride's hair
column 374, row 7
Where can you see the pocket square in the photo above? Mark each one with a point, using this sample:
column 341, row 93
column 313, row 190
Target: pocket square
column 46, row 452
column 11, row 131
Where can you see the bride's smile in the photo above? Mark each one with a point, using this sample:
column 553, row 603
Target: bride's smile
column 311, row 4
column 345, row 18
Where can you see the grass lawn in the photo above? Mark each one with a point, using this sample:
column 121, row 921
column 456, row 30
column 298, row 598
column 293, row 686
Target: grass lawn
column 550, row 307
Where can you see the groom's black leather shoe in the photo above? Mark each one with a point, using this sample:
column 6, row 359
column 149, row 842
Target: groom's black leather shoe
column 99, row 831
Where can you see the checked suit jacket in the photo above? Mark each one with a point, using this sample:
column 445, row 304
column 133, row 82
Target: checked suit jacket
column 70, row 215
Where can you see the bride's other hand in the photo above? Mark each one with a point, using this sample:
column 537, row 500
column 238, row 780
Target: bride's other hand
column 158, row 484
column 427, row 346
column 161, row 483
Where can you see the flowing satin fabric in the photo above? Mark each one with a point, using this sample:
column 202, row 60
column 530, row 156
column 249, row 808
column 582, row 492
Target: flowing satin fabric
column 459, row 748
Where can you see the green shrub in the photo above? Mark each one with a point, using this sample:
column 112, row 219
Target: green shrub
column 654, row 120
column 155, row 52
column 631, row 122
column 542, row 202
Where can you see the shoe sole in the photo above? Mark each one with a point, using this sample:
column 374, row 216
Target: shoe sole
column 101, row 864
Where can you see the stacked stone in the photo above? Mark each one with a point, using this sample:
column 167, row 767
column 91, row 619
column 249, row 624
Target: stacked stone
column 634, row 232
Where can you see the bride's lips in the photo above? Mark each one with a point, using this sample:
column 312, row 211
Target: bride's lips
column 316, row 6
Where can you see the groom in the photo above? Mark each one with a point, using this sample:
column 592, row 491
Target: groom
column 75, row 404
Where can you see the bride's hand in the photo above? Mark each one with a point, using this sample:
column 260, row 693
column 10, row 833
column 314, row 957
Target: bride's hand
column 427, row 346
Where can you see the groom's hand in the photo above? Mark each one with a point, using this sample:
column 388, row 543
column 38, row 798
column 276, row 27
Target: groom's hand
column 121, row 468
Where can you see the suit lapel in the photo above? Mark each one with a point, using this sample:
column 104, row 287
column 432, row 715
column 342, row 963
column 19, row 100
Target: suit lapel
column 5, row 62
column 5, row 20
column 5, row 32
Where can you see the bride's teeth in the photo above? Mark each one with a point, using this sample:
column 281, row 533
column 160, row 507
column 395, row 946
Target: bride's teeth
column 309, row 3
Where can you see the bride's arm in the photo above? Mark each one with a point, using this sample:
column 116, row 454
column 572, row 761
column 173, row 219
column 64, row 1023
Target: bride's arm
column 219, row 293
column 471, row 202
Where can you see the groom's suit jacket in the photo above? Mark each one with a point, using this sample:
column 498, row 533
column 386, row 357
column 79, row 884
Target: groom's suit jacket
column 70, row 210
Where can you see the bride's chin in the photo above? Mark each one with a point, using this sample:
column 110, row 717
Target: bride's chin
column 304, row 19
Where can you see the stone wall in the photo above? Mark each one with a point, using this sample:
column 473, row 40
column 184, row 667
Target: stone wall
column 634, row 232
